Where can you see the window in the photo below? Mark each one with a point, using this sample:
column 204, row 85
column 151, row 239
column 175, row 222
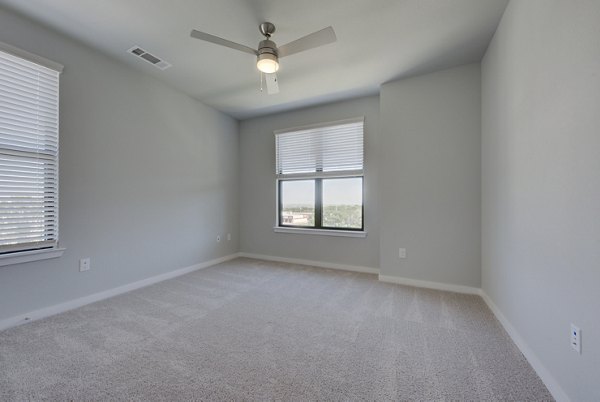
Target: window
column 28, row 152
column 320, row 176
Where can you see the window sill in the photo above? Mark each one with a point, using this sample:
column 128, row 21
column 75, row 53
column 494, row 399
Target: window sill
column 321, row 232
column 29, row 256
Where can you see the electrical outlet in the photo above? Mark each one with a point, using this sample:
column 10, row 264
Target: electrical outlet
column 84, row 264
column 218, row 238
column 576, row 338
column 402, row 253
column 228, row 236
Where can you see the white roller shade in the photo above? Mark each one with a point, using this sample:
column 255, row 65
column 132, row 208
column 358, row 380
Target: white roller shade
column 28, row 154
column 321, row 150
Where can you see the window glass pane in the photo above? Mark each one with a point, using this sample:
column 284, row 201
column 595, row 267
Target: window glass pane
column 342, row 203
column 298, row 203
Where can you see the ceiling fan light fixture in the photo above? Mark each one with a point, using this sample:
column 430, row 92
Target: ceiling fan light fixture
column 267, row 63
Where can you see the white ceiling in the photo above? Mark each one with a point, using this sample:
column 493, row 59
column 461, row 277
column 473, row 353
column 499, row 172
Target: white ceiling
column 378, row 41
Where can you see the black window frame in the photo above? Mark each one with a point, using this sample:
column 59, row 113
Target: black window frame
column 319, row 203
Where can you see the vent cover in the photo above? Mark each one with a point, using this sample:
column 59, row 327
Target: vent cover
column 149, row 57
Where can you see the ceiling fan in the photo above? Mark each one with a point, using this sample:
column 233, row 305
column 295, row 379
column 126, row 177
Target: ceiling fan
column 268, row 54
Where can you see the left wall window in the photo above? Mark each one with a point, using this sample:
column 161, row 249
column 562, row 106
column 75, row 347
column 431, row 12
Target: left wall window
column 29, row 122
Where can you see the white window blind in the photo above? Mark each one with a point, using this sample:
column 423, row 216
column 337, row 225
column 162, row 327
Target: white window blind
column 321, row 150
column 28, row 154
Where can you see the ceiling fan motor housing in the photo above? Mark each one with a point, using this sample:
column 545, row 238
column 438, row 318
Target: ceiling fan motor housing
column 268, row 59
column 267, row 46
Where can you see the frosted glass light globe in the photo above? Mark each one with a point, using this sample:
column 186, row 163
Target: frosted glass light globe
column 267, row 63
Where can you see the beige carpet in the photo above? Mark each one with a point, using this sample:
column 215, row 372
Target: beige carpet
column 255, row 330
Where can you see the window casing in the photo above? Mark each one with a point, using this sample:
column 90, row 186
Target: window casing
column 320, row 176
column 29, row 114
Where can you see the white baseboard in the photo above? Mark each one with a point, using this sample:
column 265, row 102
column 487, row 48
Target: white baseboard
column 430, row 285
column 547, row 378
column 82, row 301
column 320, row 264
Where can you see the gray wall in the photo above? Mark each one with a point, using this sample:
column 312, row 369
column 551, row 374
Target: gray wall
column 430, row 177
column 541, row 182
column 148, row 177
column 257, row 178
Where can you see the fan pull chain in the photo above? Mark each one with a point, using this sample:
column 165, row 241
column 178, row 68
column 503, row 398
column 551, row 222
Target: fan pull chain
column 261, row 81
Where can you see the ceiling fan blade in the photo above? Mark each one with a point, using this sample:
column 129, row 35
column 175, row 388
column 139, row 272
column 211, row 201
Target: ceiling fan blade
column 223, row 42
column 315, row 39
column 272, row 83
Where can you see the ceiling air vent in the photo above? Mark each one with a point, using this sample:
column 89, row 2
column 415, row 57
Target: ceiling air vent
column 150, row 58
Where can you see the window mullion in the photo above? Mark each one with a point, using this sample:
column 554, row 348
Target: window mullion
column 279, row 203
column 318, row 203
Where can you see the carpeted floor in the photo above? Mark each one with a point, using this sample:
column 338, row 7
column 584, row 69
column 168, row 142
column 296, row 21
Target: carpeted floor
column 256, row 330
